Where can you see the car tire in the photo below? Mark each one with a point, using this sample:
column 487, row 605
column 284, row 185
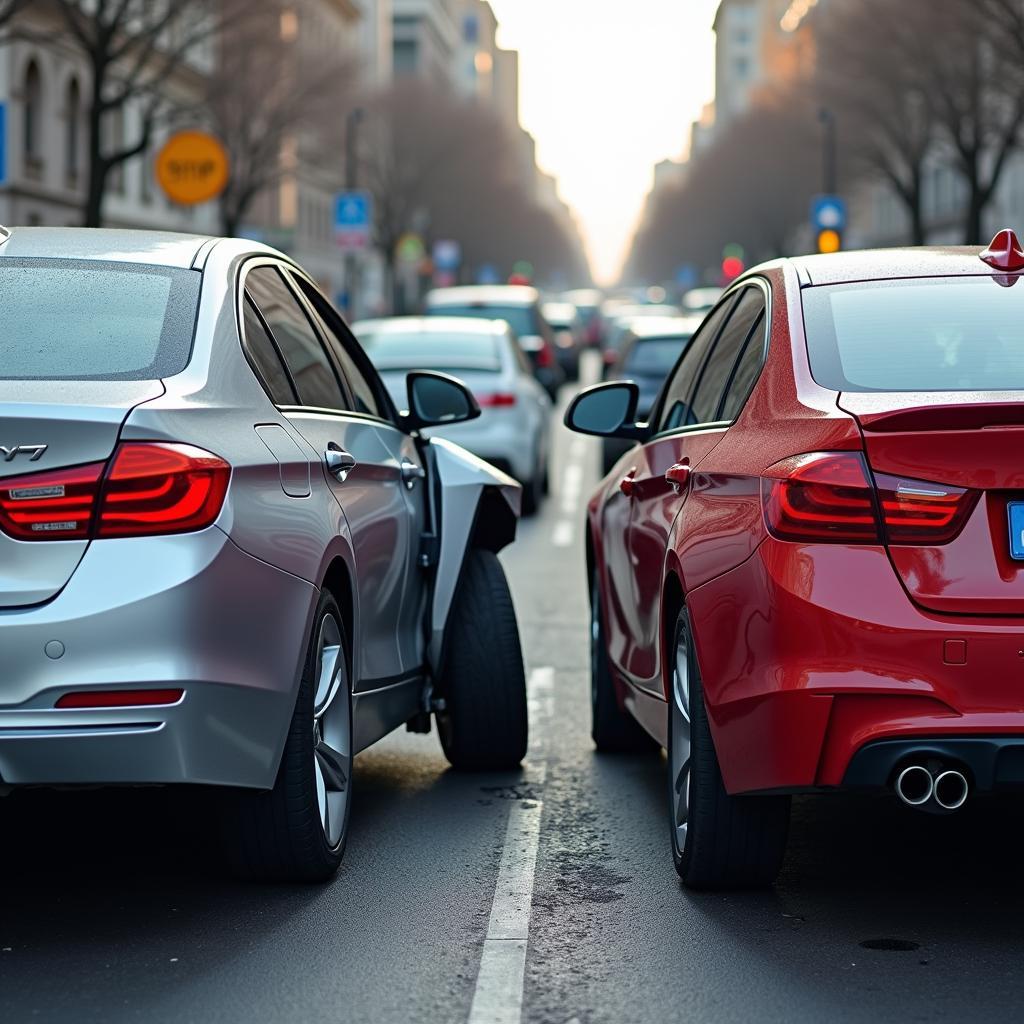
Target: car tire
column 613, row 730
column 718, row 841
column 483, row 726
column 532, row 495
column 296, row 832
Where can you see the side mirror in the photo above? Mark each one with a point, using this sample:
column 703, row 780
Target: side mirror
column 437, row 400
column 606, row 410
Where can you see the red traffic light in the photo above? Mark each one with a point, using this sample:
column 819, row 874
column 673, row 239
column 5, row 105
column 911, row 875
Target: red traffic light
column 732, row 267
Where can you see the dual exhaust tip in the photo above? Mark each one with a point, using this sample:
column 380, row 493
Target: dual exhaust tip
column 946, row 789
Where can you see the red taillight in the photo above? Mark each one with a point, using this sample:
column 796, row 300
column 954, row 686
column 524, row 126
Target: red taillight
column 610, row 357
column 821, row 497
column 917, row 512
column 161, row 488
column 149, row 488
column 57, row 505
column 119, row 698
column 545, row 357
column 829, row 496
column 496, row 401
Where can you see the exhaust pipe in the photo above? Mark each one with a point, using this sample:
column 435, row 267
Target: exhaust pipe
column 915, row 786
column 950, row 790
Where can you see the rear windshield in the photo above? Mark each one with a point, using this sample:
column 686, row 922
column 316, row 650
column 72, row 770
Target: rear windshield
column 940, row 334
column 90, row 320
column 655, row 357
column 430, row 351
column 521, row 318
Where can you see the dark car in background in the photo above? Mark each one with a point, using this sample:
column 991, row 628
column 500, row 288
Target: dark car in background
column 519, row 305
column 651, row 346
column 564, row 320
column 588, row 307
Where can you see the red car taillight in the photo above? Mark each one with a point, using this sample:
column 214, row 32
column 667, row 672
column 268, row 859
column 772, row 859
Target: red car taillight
column 161, row 488
column 58, row 505
column 828, row 496
column 149, row 488
column 500, row 400
column 545, row 357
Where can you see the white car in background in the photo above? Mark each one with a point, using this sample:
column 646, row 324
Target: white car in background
column 513, row 429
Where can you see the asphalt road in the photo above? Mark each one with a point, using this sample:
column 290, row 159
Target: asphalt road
column 110, row 909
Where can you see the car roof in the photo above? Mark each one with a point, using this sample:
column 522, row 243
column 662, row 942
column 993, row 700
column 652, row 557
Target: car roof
column 503, row 294
column 160, row 248
column 475, row 325
column 886, row 264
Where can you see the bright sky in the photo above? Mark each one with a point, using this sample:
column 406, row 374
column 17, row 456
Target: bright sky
column 609, row 88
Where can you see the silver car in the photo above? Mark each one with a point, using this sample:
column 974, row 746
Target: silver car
column 513, row 430
column 225, row 560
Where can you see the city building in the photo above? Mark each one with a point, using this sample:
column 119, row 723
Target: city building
column 376, row 41
column 425, row 38
column 44, row 85
column 476, row 57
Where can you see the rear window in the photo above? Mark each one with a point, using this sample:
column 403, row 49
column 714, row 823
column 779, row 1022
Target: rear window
column 88, row 320
column 940, row 334
column 655, row 357
column 521, row 318
column 430, row 351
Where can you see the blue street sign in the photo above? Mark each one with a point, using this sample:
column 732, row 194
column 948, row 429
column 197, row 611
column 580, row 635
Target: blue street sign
column 3, row 143
column 687, row 276
column 828, row 213
column 488, row 274
column 353, row 220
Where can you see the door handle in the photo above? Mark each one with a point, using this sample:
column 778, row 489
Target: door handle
column 628, row 484
column 678, row 476
column 339, row 462
column 411, row 473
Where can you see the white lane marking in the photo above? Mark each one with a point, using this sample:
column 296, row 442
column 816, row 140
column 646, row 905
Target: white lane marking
column 498, row 996
column 562, row 534
column 578, row 448
column 572, row 484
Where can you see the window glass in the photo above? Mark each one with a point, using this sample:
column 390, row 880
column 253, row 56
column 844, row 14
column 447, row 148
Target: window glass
column 364, row 394
column 675, row 409
column 303, row 354
column 963, row 334
column 522, row 319
column 719, row 366
column 260, row 348
column 654, row 357
column 746, row 373
column 91, row 320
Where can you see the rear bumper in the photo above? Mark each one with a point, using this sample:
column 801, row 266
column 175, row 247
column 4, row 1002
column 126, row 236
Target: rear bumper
column 192, row 612
column 812, row 654
column 499, row 438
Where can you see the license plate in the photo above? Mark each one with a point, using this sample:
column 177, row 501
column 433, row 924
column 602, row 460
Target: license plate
column 1016, row 512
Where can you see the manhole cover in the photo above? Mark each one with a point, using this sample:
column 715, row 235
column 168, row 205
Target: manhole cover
column 891, row 945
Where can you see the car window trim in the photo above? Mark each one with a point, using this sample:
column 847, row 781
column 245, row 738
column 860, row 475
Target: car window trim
column 280, row 265
column 766, row 322
column 247, row 301
column 346, row 414
column 733, row 293
column 730, row 298
column 350, row 343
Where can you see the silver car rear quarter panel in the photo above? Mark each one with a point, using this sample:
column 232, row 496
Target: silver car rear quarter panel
column 191, row 611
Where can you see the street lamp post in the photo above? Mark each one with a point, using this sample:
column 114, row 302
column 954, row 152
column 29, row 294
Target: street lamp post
column 830, row 161
column 352, row 123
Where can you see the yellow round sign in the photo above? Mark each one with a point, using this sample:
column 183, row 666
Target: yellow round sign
column 192, row 167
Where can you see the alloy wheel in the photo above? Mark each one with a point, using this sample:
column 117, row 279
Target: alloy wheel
column 332, row 731
column 680, row 745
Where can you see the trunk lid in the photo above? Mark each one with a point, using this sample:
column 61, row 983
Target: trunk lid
column 47, row 426
column 971, row 440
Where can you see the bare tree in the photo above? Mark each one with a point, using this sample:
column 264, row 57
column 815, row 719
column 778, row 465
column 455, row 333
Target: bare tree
column 263, row 97
column 133, row 48
column 870, row 76
column 977, row 84
column 9, row 8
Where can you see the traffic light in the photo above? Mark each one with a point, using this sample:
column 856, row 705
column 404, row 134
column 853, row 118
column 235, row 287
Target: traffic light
column 829, row 240
column 733, row 261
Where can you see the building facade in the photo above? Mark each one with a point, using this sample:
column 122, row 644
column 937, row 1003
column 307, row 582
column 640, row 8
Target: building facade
column 44, row 85
column 425, row 38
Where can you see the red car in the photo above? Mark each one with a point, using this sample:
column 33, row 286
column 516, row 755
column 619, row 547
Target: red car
column 809, row 573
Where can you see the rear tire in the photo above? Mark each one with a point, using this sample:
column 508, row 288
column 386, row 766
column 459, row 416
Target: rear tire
column 718, row 841
column 613, row 730
column 296, row 832
column 483, row 726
